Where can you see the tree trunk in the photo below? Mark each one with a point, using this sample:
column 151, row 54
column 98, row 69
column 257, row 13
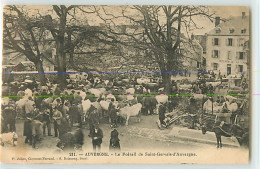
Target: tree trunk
column 61, row 55
column 41, row 75
column 61, row 64
column 166, row 77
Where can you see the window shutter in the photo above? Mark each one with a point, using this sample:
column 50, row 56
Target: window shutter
column 237, row 68
column 238, row 42
column 227, row 42
column 218, row 41
column 212, row 53
column 237, row 55
column 218, row 53
column 212, row 41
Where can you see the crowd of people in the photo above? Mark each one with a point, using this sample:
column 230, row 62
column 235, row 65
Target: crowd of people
column 54, row 110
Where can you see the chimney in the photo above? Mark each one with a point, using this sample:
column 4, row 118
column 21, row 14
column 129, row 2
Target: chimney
column 192, row 37
column 243, row 15
column 217, row 21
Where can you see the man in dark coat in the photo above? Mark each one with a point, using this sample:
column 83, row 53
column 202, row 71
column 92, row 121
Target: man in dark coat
column 8, row 116
column 97, row 136
column 114, row 141
column 46, row 120
column 64, row 125
column 112, row 113
column 27, row 132
column 74, row 113
column 149, row 105
column 193, row 105
column 93, row 118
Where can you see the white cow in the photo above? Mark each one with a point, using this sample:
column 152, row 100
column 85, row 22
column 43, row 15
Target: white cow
column 130, row 111
column 8, row 138
column 96, row 92
column 130, row 91
column 130, row 97
column 104, row 104
column 86, row 104
column 142, row 80
column 162, row 98
column 207, row 106
column 232, row 107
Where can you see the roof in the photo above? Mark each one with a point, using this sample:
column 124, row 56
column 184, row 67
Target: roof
column 237, row 23
column 26, row 63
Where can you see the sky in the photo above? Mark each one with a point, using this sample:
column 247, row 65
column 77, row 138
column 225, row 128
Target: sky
column 205, row 24
column 223, row 12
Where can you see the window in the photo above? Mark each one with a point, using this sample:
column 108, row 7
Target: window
column 240, row 68
column 198, row 64
column 204, row 51
column 215, row 66
column 228, row 69
column 230, row 42
column 215, row 54
column 243, row 31
column 215, row 41
column 231, row 30
column 229, row 57
column 241, row 42
column 240, row 55
column 218, row 30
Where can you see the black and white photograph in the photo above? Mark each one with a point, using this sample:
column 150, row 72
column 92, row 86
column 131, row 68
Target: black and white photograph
column 125, row 84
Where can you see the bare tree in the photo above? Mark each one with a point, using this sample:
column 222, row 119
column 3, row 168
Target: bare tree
column 21, row 35
column 65, row 28
column 159, row 32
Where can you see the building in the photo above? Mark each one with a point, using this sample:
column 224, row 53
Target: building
column 224, row 50
column 192, row 52
column 20, row 62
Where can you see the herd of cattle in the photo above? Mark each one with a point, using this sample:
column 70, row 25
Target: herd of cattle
column 131, row 98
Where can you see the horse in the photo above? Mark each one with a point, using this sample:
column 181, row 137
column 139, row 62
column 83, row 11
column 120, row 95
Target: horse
column 228, row 130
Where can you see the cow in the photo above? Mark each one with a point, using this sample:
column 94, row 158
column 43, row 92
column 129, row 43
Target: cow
column 161, row 99
column 130, row 111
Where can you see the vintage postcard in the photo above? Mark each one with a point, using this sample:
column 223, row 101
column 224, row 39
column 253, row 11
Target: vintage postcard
column 125, row 84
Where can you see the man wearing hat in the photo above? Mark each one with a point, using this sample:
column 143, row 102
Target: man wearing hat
column 93, row 118
column 97, row 136
column 112, row 113
column 57, row 120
